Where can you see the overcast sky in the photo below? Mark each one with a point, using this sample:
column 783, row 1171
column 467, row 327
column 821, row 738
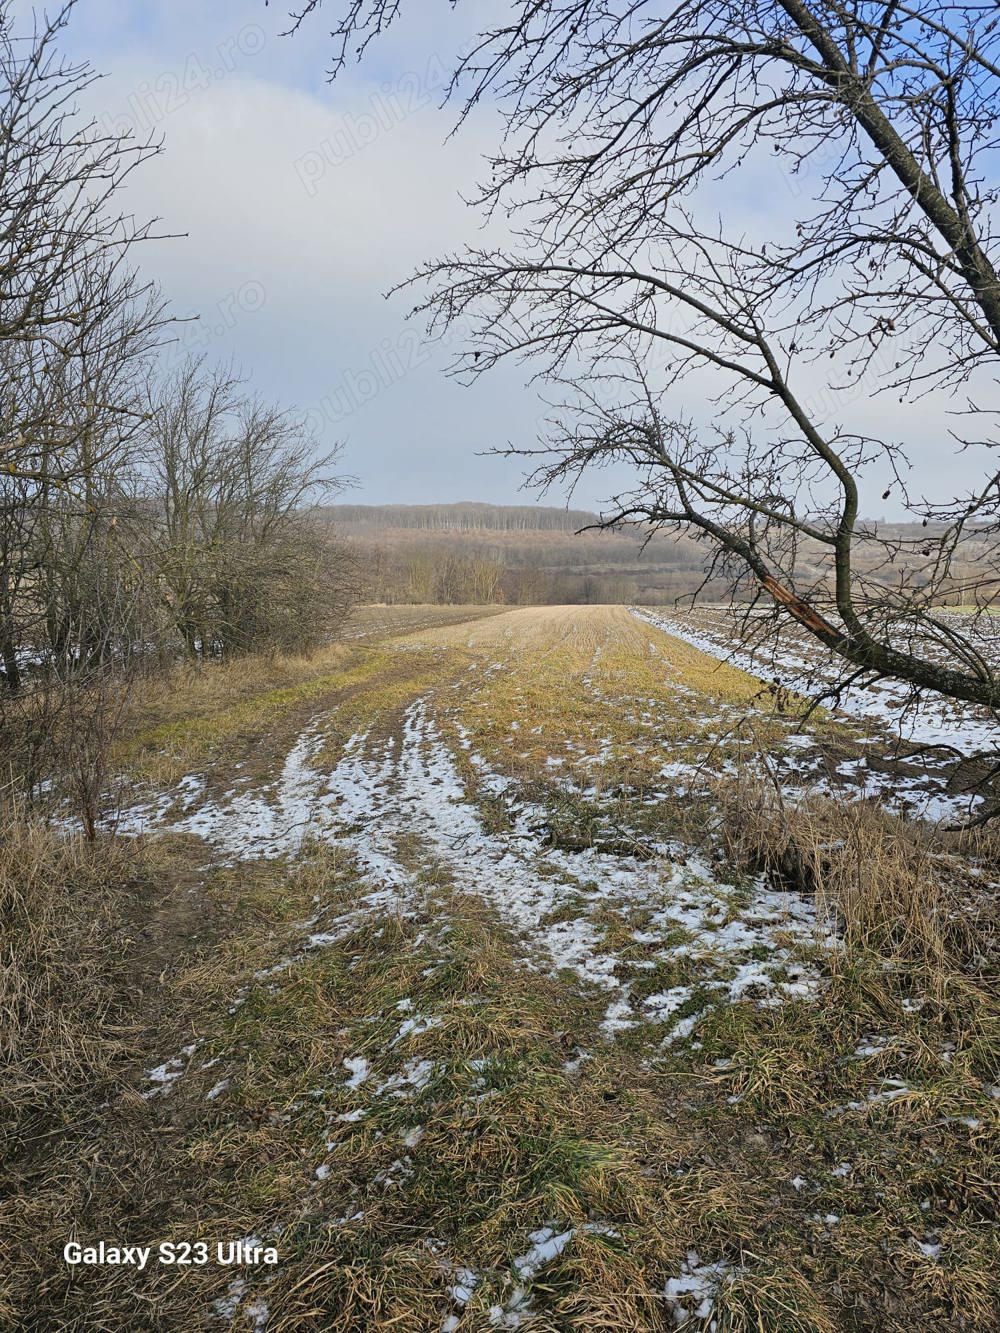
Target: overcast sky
column 302, row 202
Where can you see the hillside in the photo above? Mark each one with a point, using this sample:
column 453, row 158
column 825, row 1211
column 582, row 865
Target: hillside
column 545, row 555
column 465, row 516
column 516, row 554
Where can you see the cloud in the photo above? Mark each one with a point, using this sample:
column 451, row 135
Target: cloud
column 301, row 202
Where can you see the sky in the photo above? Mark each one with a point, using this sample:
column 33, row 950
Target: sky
column 294, row 204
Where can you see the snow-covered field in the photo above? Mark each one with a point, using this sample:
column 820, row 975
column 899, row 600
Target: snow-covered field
column 513, row 1020
column 406, row 789
column 892, row 716
column 804, row 666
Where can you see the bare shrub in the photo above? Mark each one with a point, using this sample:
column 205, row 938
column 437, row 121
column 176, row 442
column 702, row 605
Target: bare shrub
column 241, row 565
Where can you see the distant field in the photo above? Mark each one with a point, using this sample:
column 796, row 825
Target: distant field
column 526, row 970
column 382, row 621
column 512, row 554
column 912, row 766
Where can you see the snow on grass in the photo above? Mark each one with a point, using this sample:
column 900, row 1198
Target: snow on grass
column 413, row 1027
column 226, row 1306
column 618, row 1017
column 358, row 1068
column 660, row 1007
column 927, row 720
column 558, row 902
column 164, row 1076
column 267, row 823
column 691, row 1295
column 463, row 1285
column 255, row 1310
column 413, row 1077
column 416, row 790
column 138, row 818
column 546, row 1244
column 271, row 821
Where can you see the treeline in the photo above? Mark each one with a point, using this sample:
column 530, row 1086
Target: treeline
column 146, row 513
column 463, row 517
column 437, row 574
column 435, row 553
column 187, row 534
column 515, row 555
column 526, row 568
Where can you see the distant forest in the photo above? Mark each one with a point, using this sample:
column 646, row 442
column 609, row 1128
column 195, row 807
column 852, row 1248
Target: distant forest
column 468, row 516
column 514, row 554
column 537, row 554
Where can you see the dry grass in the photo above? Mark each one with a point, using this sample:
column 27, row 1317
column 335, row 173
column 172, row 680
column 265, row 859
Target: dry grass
column 597, row 676
column 696, row 1147
column 903, row 891
column 194, row 714
column 381, row 621
column 60, row 1015
column 68, row 1027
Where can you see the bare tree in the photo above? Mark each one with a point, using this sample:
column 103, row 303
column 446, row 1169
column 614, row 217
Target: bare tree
column 76, row 327
column 65, row 248
column 486, row 575
column 240, row 565
column 623, row 279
